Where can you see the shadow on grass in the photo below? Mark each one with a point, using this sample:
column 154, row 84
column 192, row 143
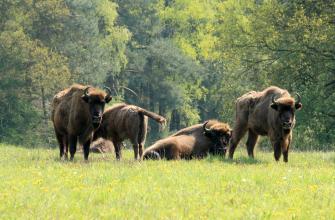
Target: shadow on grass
column 238, row 160
column 96, row 158
column 78, row 159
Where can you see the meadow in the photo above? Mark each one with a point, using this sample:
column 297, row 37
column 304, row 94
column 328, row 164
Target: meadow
column 35, row 184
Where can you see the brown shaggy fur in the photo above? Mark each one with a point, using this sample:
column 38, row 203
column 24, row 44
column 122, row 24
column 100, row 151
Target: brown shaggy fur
column 102, row 146
column 123, row 121
column 72, row 116
column 256, row 114
column 189, row 142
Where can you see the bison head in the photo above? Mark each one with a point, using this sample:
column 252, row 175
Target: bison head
column 286, row 111
column 96, row 100
column 220, row 136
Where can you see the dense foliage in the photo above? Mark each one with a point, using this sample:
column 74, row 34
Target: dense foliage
column 187, row 60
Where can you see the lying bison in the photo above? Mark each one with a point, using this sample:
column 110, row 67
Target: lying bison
column 101, row 146
column 76, row 113
column 195, row 141
column 123, row 121
column 270, row 112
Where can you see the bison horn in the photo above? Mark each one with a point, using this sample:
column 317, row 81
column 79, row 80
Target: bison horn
column 109, row 91
column 108, row 97
column 299, row 98
column 204, row 127
column 274, row 100
column 86, row 91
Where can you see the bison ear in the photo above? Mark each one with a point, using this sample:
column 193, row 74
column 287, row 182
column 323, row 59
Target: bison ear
column 108, row 98
column 274, row 106
column 85, row 98
column 298, row 106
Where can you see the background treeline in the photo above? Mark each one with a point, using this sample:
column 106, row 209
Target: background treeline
column 187, row 60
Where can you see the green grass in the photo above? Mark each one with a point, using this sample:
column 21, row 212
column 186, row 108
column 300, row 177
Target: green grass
column 35, row 184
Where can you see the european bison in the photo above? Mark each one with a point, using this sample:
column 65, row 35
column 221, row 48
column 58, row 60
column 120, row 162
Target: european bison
column 123, row 121
column 101, row 146
column 195, row 141
column 76, row 113
column 270, row 112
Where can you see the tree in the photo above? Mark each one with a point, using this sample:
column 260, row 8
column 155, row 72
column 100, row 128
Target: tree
column 45, row 46
column 164, row 77
column 28, row 68
column 250, row 45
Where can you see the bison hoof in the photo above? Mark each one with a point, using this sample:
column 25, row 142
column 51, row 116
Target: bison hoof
column 277, row 157
column 63, row 158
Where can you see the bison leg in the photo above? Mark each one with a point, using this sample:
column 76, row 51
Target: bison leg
column 61, row 144
column 277, row 151
column 66, row 146
column 86, row 148
column 285, row 148
column 251, row 142
column 175, row 153
column 73, row 146
column 238, row 133
column 285, row 154
column 240, row 128
column 117, row 148
column 135, row 147
column 176, row 156
column 141, row 148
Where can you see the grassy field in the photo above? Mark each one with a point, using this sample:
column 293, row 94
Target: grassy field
column 35, row 184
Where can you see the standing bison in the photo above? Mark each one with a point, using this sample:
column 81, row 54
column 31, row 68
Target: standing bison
column 123, row 121
column 76, row 113
column 270, row 112
column 195, row 141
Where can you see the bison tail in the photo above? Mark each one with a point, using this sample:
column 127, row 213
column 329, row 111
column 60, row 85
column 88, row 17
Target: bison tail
column 142, row 128
column 151, row 155
column 153, row 115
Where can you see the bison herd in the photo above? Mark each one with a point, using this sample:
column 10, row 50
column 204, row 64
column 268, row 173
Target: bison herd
column 79, row 115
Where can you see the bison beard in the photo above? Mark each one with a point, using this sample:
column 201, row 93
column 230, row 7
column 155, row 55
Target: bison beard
column 76, row 113
column 271, row 113
column 121, row 122
column 195, row 141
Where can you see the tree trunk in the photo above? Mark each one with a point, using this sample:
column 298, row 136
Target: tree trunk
column 45, row 113
column 175, row 120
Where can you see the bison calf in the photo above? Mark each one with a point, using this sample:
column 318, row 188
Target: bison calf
column 123, row 121
column 76, row 113
column 195, row 141
column 270, row 112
